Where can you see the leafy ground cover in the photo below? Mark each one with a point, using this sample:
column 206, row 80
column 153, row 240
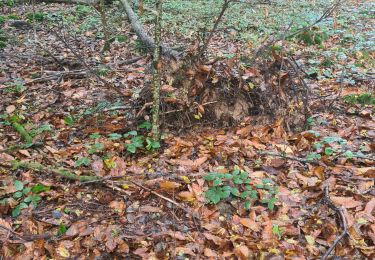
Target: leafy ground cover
column 254, row 190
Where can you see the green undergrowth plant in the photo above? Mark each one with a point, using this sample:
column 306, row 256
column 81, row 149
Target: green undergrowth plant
column 24, row 197
column 135, row 141
column 36, row 16
column 331, row 147
column 236, row 185
column 17, row 86
column 361, row 99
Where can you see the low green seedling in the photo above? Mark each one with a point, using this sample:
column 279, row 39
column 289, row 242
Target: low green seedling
column 25, row 196
column 362, row 99
column 37, row 16
column 236, row 185
column 140, row 141
column 82, row 161
column 331, row 146
column 17, row 86
column 37, row 131
column 95, row 148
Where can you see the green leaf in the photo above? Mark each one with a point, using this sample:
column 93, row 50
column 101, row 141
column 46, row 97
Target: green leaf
column 228, row 176
column 69, row 120
column 62, row 229
column 35, row 199
column 331, row 139
column 276, row 231
column 245, row 194
column 95, row 148
column 217, row 182
column 210, row 176
column 349, row 154
column 254, row 194
column 40, row 188
column 18, row 185
column 26, row 190
column 114, row 136
column 131, row 148
column 244, row 175
column 17, row 210
column 313, row 156
column 82, row 161
column 151, row 144
column 95, row 136
column 271, row 203
column 17, row 194
column 328, row 151
column 145, row 125
column 237, row 180
column 28, row 199
column 225, row 192
column 137, row 141
column 212, row 195
column 235, row 192
column 133, row 133
column 247, row 205
column 236, row 172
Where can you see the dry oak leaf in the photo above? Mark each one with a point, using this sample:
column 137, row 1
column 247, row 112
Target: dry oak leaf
column 167, row 89
column 118, row 206
column 209, row 252
column 120, row 167
column 249, row 223
column 10, row 109
column 217, row 240
column 370, row 206
column 189, row 163
column 79, row 228
column 242, row 252
column 346, row 202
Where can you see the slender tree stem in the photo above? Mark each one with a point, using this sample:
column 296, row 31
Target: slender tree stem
column 156, row 73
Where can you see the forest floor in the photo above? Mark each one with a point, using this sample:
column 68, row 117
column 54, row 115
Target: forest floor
column 250, row 191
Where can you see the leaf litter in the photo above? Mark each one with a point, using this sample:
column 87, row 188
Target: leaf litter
column 153, row 205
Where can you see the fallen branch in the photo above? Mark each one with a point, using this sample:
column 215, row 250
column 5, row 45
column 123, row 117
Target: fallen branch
column 21, row 146
column 41, row 168
column 143, row 36
column 60, row 75
column 285, row 156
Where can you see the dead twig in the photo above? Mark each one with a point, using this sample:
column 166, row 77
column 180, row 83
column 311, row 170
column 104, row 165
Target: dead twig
column 285, row 156
column 80, row 58
column 339, row 211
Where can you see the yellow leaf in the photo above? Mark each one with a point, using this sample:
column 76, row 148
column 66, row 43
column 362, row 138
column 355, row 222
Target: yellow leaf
column 110, row 163
column 185, row 179
column 62, row 251
column 310, row 240
column 169, row 185
column 186, row 196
